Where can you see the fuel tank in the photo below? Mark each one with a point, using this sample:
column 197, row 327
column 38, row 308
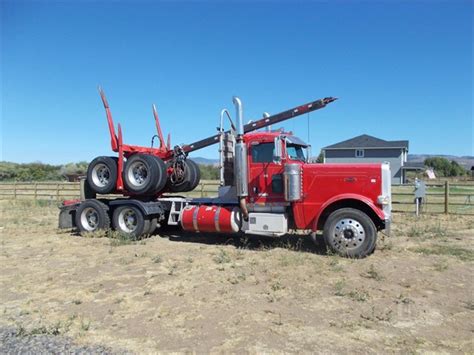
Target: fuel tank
column 211, row 219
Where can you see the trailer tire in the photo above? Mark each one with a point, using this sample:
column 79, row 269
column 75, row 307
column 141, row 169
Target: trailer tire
column 91, row 216
column 180, row 186
column 196, row 175
column 102, row 174
column 191, row 179
column 130, row 221
column 142, row 174
column 161, row 176
column 350, row 233
column 153, row 226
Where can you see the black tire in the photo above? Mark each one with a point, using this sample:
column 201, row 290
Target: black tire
column 91, row 216
column 196, row 175
column 102, row 174
column 130, row 221
column 350, row 233
column 141, row 174
column 161, row 176
column 153, row 226
column 184, row 184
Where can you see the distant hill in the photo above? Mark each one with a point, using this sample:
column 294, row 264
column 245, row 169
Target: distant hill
column 465, row 161
column 205, row 161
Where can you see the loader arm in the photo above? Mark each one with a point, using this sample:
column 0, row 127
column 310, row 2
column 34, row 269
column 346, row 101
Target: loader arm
column 264, row 122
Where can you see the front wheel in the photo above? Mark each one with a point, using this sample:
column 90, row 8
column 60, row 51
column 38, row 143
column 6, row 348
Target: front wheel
column 350, row 232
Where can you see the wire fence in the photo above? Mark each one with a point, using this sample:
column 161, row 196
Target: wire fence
column 442, row 197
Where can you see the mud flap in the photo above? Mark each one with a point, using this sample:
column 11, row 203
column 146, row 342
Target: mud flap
column 66, row 217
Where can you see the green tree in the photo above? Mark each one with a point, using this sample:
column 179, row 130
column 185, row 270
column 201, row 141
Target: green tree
column 444, row 167
column 39, row 172
column 320, row 158
column 456, row 169
column 209, row 172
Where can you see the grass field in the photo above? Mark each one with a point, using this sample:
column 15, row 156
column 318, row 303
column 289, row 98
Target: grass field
column 187, row 292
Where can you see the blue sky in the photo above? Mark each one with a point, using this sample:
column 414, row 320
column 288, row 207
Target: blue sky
column 402, row 70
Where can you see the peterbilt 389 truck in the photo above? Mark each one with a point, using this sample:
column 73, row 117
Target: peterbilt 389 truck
column 268, row 187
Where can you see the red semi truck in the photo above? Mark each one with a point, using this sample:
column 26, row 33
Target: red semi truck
column 268, row 187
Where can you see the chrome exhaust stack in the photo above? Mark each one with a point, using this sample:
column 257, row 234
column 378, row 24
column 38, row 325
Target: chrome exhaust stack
column 240, row 159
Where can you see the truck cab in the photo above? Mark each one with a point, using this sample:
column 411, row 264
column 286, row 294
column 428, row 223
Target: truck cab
column 346, row 201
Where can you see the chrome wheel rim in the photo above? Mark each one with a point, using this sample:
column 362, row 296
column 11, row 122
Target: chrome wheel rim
column 90, row 219
column 138, row 174
column 348, row 234
column 127, row 220
column 101, row 175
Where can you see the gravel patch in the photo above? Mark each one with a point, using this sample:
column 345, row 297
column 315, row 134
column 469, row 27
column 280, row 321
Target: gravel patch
column 13, row 342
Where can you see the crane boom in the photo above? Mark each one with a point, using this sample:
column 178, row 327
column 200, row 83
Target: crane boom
column 264, row 122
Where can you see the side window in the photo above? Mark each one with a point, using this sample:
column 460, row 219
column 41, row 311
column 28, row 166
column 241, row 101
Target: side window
column 262, row 153
column 359, row 153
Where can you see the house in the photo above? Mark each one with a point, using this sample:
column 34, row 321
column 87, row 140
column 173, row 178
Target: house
column 368, row 149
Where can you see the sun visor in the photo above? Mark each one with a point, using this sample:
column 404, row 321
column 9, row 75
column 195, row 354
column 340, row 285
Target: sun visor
column 295, row 140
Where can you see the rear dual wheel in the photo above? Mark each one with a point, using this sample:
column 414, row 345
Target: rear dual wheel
column 196, row 175
column 189, row 176
column 102, row 174
column 130, row 221
column 92, row 216
column 144, row 174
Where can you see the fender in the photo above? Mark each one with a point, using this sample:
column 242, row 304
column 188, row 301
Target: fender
column 147, row 208
column 348, row 196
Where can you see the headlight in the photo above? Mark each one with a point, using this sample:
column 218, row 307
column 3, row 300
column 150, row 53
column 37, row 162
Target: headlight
column 383, row 200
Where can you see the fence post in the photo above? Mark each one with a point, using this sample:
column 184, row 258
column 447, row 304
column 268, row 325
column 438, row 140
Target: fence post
column 202, row 189
column 446, row 197
column 36, row 191
column 14, row 190
column 57, row 192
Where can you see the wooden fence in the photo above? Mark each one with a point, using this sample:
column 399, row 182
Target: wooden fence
column 60, row 191
column 442, row 197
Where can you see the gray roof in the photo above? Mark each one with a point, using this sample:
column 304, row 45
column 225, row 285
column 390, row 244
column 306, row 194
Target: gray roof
column 366, row 141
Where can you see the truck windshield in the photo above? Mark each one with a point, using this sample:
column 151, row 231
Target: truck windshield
column 295, row 152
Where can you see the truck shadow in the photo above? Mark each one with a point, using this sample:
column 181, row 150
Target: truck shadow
column 251, row 242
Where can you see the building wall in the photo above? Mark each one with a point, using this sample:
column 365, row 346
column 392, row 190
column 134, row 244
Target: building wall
column 392, row 156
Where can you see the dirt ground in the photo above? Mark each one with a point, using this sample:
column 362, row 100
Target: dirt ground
column 181, row 293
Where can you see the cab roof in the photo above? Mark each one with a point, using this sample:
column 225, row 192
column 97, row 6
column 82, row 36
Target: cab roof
column 270, row 136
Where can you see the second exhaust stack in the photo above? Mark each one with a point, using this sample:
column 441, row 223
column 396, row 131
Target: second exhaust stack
column 240, row 159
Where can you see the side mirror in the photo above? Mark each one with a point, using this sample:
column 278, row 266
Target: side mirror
column 277, row 151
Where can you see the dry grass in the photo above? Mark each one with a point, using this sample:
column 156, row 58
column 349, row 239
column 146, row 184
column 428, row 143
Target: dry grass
column 213, row 293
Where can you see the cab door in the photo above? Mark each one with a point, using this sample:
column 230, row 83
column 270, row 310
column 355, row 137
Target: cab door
column 265, row 176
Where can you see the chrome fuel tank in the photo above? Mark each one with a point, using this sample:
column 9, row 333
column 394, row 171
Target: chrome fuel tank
column 293, row 182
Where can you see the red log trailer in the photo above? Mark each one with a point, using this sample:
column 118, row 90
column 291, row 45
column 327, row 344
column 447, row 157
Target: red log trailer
column 268, row 187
